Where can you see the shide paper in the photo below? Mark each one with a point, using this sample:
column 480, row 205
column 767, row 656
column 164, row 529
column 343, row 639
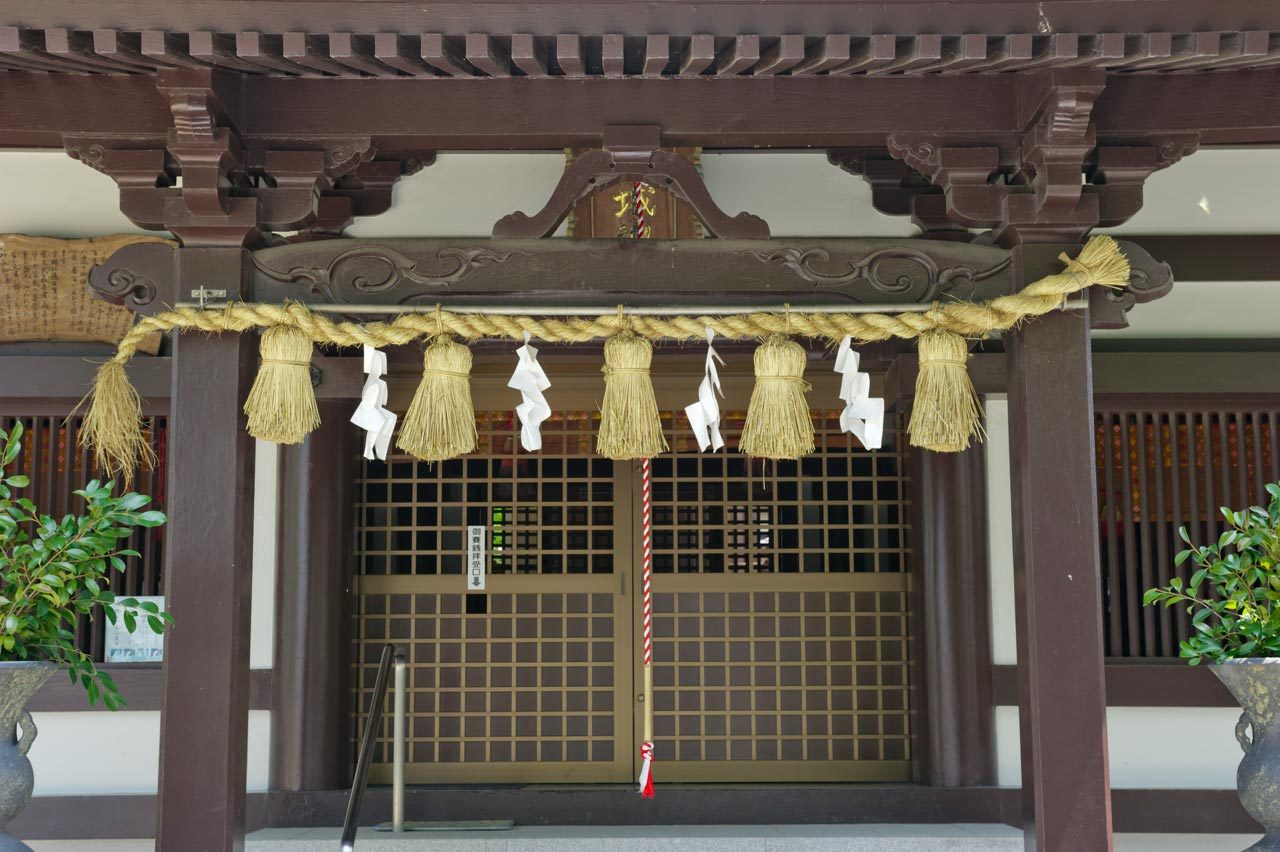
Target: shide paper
column 704, row 415
column 530, row 379
column 863, row 416
column 372, row 415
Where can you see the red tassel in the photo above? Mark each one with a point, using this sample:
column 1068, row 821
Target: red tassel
column 646, row 770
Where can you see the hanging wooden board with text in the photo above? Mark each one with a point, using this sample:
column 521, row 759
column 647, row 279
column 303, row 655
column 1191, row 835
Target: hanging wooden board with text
column 44, row 292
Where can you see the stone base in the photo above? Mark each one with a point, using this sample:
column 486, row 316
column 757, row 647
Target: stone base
column 694, row 838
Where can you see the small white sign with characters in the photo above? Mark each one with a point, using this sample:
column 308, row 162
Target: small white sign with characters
column 475, row 558
column 140, row 646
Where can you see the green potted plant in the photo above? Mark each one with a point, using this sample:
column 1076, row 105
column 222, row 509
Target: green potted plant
column 1233, row 597
column 51, row 573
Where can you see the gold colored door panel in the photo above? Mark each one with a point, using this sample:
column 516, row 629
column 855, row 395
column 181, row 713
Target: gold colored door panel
column 780, row 618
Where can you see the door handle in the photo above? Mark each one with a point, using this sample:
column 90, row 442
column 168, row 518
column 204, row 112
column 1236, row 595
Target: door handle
column 622, row 585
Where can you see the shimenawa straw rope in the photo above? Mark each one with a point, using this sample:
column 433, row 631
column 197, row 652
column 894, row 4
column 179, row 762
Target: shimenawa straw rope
column 113, row 422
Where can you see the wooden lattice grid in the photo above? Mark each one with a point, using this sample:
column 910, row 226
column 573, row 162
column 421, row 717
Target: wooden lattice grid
column 514, row 689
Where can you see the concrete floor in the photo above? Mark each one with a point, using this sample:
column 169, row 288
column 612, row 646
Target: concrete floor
column 1124, row 843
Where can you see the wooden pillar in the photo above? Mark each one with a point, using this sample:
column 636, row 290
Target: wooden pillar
column 1061, row 696
column 204, row 726
column 310, row 719
column 956, row 739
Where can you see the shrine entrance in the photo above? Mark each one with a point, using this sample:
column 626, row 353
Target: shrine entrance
column 781, row 599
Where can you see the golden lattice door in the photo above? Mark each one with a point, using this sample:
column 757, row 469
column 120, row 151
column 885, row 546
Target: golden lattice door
column 781, row 600
column 523, row 681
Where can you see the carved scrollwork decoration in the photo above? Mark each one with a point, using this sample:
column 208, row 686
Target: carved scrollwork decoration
column 1149, row 279
column 126, row 287
column 903, row 273
column 92, row 155
column 138, row 276
column 343, row 156
column 368, row 270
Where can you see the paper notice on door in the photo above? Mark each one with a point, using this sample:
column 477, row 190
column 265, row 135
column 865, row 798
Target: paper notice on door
column 475, row 558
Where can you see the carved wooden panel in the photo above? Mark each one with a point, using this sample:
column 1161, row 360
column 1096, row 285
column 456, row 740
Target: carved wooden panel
column 637, row 272
column 597, row 215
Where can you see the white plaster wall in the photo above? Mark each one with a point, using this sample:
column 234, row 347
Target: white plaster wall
column 266, row 494
column 1239, row 199
column 1183, row 748
column 799, row 194
column 1004, row 640
column 100, row 752
column 463, row 194
column 1195, row 309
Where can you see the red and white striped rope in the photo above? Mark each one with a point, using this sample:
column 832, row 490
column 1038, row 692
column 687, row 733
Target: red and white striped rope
column 646, row 544
column 642, row 223
column 646, row 539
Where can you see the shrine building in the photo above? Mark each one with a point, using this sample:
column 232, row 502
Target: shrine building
column 866, row 633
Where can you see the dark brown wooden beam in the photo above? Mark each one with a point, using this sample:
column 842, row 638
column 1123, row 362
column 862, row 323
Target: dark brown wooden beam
column 1157, row 377
column 1139, row 683
column 1062, row 698
column 311, row 720
column 956, row 725
column 141, row 684
column 1233, row 107
column 204, row 725
column 1225, row 257
column 69, row 377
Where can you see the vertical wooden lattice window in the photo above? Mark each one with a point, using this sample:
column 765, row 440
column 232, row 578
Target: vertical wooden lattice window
column 57, row 466
column 1161, row 465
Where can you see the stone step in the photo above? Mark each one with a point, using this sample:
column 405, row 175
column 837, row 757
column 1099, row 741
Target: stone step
column 663, row 838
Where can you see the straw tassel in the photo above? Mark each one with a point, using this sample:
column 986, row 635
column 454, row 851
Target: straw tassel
column 778, row 425
column 946, row 415
column 281, row 406
column 629, row 423
column 440, row 423
column 113, row 424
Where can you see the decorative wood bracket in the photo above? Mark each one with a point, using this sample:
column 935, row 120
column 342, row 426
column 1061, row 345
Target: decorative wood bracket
column 231, row 194
column 898, row 190
column 1029, row 192
column 1149, row 279
column 630, row 153
column 142, row 277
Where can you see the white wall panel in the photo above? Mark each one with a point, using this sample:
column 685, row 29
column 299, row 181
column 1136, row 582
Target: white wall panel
column 1176, row 748
column 463, row 194
column 799, row 194
column 82, row 753
column 1196, row 309
column 1004, row 638
column 1240, row 187
column 266, row 494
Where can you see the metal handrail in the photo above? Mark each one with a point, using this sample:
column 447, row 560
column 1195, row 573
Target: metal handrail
column 372, row 723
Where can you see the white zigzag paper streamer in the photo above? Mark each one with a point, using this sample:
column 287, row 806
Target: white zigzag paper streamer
column 704, row 415
column 372, row 415
column 863, row 416
column 530, row 379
